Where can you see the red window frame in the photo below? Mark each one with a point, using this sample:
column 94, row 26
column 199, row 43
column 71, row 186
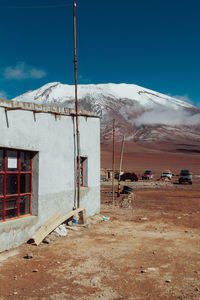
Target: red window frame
column 18, row 172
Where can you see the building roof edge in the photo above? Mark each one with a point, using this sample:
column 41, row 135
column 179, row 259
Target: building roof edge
column 42, row 108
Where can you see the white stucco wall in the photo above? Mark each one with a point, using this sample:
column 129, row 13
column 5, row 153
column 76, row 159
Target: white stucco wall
column 53, row 138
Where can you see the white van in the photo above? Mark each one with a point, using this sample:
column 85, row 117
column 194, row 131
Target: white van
column 167, row 173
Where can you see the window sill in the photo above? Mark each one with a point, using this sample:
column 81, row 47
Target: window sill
column 23, row 221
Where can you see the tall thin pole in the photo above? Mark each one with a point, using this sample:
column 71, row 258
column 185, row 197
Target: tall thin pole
column 120, row 166
column 113, row 163
column 76, row 107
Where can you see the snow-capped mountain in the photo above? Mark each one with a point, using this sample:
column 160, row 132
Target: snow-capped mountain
column 142, row 115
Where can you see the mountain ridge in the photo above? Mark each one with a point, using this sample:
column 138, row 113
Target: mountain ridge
column 142, row 115
column 113, row 90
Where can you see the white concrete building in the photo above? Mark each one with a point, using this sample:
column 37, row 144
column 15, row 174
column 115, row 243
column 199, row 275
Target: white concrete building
column 37, row 167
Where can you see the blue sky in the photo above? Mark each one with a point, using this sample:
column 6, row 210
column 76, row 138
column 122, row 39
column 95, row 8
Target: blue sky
column 155, row 44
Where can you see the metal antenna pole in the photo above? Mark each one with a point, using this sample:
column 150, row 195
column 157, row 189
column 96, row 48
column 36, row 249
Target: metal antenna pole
column 113, row 163
column 76, row 107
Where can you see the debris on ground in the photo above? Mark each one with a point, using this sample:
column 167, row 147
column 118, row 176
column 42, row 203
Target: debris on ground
column 61, row 230
column 105, row 218
column 95, row 219
column 168, row 280
column 29, row 255
column 73, row 228
column 126, row 201
column 46, row 241
column 15, row 293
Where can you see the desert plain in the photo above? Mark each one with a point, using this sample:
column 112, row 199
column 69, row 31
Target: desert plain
column 148, row 249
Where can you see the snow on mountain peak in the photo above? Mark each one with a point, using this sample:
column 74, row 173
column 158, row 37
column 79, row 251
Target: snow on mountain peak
column 141, row 114
column 55, row 92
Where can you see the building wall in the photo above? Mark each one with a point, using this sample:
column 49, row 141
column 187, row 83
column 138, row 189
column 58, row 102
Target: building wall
column 52, row 138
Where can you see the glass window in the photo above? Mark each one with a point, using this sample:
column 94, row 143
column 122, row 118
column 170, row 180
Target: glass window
column 83, row 171
column 16, row 193
column 12, row 161
column 1, row 184
column 1, row 160
column 25, row 183
column 1, row 209
column 11, row 184
column 11, row 207
column 25, row 161
column 24, row 205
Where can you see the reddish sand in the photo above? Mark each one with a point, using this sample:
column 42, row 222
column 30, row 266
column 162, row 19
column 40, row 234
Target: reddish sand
column 138, row 159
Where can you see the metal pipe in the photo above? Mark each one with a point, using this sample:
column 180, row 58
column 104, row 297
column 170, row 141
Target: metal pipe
column 120, row 167
column 75, row 162
column 113, row 163
column 76, row 107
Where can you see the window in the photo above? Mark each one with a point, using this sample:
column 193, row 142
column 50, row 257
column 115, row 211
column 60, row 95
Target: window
column 83, row 171
column 15, row 183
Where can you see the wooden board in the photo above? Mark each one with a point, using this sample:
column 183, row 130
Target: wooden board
column 71, row 213
column 53, row 223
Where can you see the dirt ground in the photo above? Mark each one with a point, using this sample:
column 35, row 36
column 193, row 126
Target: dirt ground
column 149, row 249
column 137, row 159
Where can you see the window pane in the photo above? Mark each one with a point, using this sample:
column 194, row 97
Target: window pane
column 1, row 184
column 11, row 207
column 11, row 184
column 11, row 160
column 25, row 183
column 24, row 205
column 1, row 160
column 84, row 171
column 1, row 209
column 25, row 161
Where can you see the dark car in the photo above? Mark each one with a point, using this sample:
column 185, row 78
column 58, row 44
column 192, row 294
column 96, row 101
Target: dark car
column 129, row 176
column 147, row 175
column 185, row 176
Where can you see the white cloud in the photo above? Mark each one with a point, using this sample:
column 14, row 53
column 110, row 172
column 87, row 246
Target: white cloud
column 23, row 71
column 184, row 98
column 168, row 117
column 3, row 94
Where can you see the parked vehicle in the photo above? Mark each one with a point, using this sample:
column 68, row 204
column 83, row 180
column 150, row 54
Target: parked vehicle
column 129, row 176
column 148, row 175
column 167, row 174
column 116, row 175
column 185, row 176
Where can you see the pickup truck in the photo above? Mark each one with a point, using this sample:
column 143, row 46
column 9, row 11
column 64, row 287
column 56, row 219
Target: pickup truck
column 185, row 176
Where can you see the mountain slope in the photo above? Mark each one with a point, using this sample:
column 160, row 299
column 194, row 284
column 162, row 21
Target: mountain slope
column 142, row 115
